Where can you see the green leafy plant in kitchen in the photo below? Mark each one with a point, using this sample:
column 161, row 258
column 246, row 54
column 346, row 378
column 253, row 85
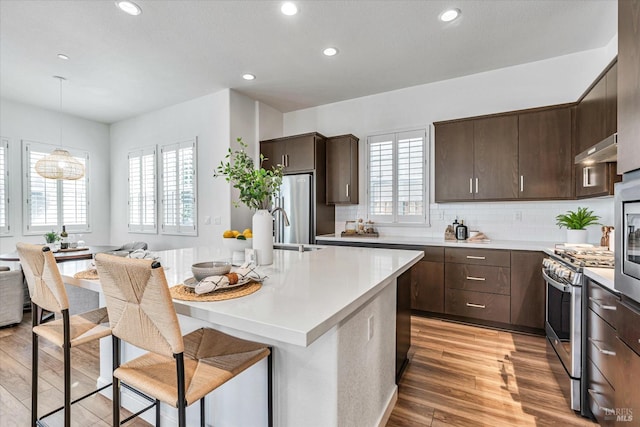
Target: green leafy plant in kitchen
column 257, row 186
column 577, row 220
column 51, row 237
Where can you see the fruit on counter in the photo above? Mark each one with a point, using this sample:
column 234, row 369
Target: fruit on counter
column 235, row 234
column 227, row 234
column 247, row 231
column 241, row 237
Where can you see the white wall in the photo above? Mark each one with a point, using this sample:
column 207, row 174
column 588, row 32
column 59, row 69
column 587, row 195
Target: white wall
column 206, row 118
column 24, row 122
column 553, row 81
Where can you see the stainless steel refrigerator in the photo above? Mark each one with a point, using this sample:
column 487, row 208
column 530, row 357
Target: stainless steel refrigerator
column 297, row 199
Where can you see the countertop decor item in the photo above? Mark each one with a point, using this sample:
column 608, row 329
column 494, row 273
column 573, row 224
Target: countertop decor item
column 257, row 188
column 51, row 237
column 202, row 270
column 576, row 223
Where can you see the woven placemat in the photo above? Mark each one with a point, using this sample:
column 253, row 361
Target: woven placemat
column 91, row 274
column 184, row 293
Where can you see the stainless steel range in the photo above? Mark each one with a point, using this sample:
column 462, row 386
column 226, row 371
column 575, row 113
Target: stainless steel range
column 563, row 271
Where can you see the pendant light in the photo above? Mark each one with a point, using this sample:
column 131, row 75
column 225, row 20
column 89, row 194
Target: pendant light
column 60, row 164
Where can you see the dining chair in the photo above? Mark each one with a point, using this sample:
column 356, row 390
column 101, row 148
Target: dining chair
column 47, row 292
column 177, row 370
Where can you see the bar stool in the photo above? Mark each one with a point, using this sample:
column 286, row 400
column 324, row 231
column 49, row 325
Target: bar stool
column 48, row 293
column 176, row 370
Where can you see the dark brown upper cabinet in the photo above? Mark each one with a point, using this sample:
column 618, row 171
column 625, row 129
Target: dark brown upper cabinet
column 511, row 156
column 628, row 85
column 544, row 154
column 296, row 153
column 342, row 170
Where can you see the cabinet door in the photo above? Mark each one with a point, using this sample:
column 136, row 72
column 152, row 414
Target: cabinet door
column 342, row 170
column 299, row 154
column 545, row 160
column 454, row 161
column 628, row 85
column 403, row 321
column 591, row 117
column 495, row 154
column 527, row 289
column 427, row 286
column 272, row 151
column 611, row 101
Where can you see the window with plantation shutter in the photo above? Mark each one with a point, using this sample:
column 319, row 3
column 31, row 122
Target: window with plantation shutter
column 397, row 184
column 48, row 203
column 4, row 186
column 142, row 191
column 179, row 188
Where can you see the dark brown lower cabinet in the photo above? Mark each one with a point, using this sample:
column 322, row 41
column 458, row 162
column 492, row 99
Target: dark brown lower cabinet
column 477, row 305
column 403, row 322
column 527, row 289
column 427, row 281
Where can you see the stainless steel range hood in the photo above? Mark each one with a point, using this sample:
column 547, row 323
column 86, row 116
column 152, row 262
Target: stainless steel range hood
column 603, row 152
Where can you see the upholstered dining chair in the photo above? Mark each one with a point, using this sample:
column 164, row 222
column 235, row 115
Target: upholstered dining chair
column 176, row 370
column 47, row 292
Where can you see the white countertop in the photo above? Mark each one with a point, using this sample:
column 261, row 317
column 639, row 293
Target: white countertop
column 521, row 245
column 604, row 276
column 305, row 294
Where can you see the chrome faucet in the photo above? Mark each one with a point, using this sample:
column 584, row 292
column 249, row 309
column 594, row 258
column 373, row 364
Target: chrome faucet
column 284, row 215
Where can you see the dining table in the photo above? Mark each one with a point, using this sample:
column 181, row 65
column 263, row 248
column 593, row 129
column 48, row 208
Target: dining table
column 86, row 252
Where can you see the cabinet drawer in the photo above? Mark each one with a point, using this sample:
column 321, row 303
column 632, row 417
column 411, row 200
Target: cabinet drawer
column 601, row 396
column 496, row 257
column 629, row 326
column 603, row 303
column 478, row 278
column 478, row 305
column 602, row 347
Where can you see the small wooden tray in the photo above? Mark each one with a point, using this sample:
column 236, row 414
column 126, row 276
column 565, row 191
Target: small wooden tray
column 72, row 249
column 345, row 234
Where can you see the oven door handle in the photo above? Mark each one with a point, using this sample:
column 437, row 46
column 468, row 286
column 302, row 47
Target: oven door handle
column 559, row 286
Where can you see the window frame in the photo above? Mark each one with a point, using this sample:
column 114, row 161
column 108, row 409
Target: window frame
column 178, row 228
column 28, row 228
column 142, row 227
column 395, row 219
column 5, row 229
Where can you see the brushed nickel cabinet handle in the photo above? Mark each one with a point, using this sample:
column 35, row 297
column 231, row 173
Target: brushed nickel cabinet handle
column 480, row 279
column 471, row 185
column 476, row 185
column 284, row 161
column 470, row 304
column 347, row 190
column 600, row 349
column 475, row 257
column 521, row 183
column 602, row 306
column 592, row 393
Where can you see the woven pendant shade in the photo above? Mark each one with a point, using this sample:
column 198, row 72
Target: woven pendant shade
column 60, row 165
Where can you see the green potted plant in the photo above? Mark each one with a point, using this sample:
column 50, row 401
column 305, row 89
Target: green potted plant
column 576, row 223
column 257, row 187
column 51, row 238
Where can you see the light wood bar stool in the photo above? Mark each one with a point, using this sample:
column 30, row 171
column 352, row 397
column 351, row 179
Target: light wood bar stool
column 176, row 370
column 48, row 293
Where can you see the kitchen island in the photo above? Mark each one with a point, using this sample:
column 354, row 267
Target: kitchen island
column 330, row 315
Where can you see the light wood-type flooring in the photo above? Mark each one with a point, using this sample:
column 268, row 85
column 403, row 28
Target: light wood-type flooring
column 461, row 375
column 458, row 375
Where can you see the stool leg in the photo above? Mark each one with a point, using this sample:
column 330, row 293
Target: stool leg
column 202, row 412
column 67, row 368
column 34, row 367
column 270, row 386
column 157, row 413
column 115, row 361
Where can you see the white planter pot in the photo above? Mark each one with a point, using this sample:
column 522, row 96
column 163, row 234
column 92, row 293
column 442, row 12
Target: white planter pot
column 576, row 236
column 263, row 236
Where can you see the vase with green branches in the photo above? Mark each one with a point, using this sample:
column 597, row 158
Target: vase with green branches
column 576, row 223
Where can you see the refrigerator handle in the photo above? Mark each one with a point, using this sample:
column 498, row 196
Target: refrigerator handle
column 281, row 222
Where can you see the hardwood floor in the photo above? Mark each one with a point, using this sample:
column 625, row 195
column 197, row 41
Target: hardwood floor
column 15, row 381
column 461, row 375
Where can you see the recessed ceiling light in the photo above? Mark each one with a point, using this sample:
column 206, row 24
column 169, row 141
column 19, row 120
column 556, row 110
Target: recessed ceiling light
column 449, row 15
column 330, row 51
column 289, row 8
column 63, row 56
column 129, row 7
column 248, row 76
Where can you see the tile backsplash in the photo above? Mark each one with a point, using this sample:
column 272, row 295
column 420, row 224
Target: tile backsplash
column 531, row 221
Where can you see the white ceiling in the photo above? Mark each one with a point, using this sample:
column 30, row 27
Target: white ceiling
column 122, row 66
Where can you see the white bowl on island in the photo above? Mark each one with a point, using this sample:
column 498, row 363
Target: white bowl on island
column 237, row 247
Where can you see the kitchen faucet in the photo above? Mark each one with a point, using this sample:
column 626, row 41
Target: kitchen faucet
column 284, row 215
